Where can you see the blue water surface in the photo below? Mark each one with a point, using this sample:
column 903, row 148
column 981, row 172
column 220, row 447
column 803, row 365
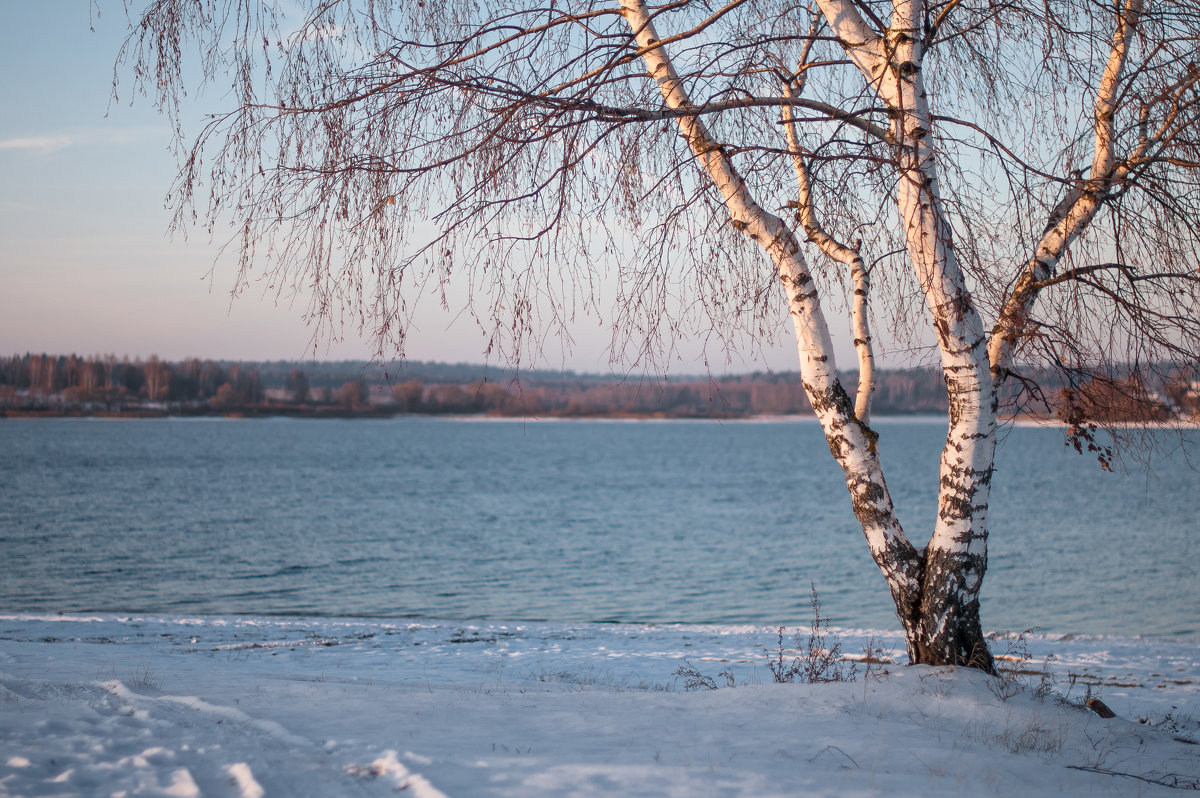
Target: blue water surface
column 648, row 521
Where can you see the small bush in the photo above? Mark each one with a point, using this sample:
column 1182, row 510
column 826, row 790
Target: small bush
column 875, row 659
column 819, row 659
column 820, row 654
column 1007, row 681
column 143, row 677
column 694, row 679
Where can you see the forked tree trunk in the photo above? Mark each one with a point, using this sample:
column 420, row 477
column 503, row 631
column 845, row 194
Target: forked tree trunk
column 949, row 629
column 945, row 629
column 936, row 589
column 936, row 594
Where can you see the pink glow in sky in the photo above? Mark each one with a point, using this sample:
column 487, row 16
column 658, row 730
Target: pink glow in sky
column 86, row 265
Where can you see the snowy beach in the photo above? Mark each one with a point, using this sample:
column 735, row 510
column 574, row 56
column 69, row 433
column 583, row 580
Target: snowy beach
column 157, row 629
column 244, row 706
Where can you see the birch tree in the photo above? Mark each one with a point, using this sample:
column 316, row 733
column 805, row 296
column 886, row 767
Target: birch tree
column 1018, row 178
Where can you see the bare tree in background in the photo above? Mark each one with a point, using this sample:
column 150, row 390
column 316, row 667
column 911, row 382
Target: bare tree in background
column 1019, row 177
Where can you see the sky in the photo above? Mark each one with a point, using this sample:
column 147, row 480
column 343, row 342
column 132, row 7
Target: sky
column 87, row 265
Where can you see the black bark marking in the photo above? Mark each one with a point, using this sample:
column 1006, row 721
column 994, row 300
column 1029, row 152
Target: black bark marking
column 926, row 587
column 948, row 627
column 961, row 304
column 942, row 328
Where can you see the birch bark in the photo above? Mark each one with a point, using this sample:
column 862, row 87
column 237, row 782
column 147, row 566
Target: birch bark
column 948, row 629
column 850, row 440
column 839, row 252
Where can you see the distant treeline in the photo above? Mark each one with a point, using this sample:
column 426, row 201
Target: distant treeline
column 68, row 385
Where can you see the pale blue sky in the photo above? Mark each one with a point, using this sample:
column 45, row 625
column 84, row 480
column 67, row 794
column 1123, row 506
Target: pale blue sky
column 86, row 264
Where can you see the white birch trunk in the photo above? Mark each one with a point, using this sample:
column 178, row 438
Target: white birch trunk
column 836, row 251
column 974, row 364
column 861, row 327
column 955, row 560
column 850, row 441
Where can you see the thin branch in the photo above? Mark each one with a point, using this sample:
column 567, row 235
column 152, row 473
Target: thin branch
column 935, row 26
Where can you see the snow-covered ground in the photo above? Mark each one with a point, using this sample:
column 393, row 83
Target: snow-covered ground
column 236, row 706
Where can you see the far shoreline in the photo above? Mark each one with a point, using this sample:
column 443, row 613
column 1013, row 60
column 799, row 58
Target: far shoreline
column 341, row 414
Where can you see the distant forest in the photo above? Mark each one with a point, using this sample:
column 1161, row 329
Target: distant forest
column 106, row 385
